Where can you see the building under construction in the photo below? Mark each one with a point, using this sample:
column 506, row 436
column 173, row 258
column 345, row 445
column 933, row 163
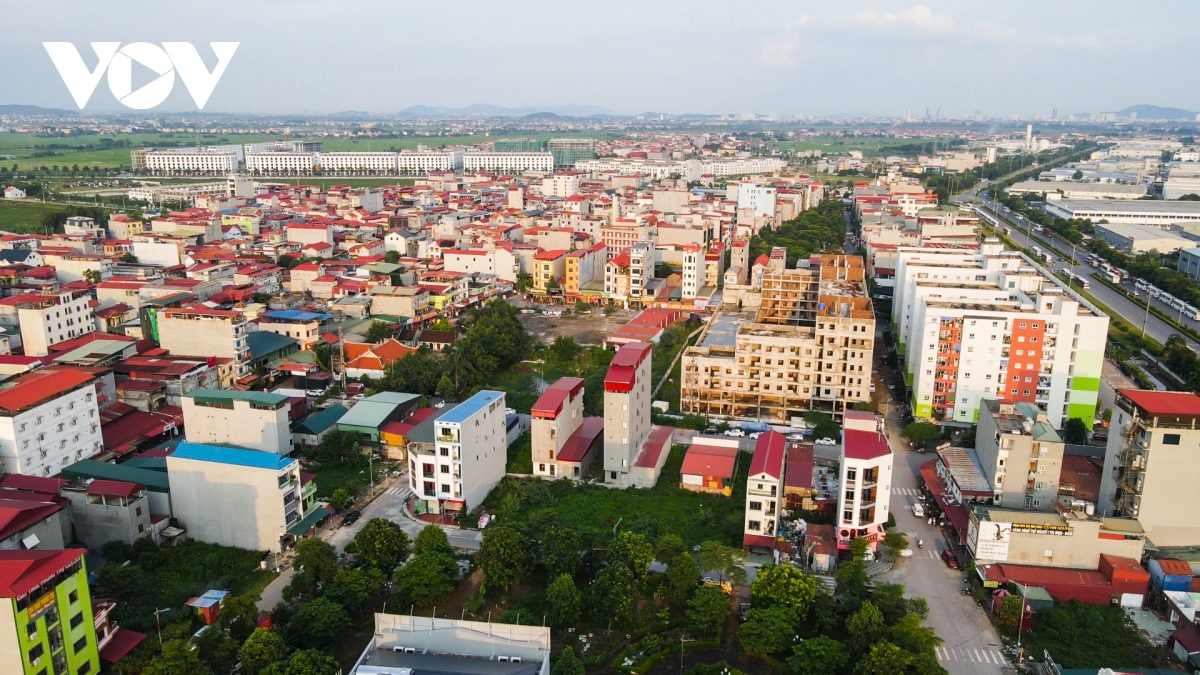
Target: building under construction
column 808, row 346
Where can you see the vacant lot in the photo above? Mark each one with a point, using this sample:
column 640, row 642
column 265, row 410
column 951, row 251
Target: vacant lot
column 586, row 329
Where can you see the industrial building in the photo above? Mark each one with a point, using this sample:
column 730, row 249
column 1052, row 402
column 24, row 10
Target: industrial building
column 1135, row 239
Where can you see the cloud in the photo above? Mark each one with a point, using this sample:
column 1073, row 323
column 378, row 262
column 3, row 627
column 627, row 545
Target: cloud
column 777, row 52
column 917, row 16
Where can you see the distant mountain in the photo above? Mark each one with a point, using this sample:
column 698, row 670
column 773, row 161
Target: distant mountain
column 488, row 110
column 1154, row 112
column 33, row 110
column 543, row 116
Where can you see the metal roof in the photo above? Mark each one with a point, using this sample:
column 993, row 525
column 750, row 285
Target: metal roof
column 223, row 395
column 373, row 411
column 249, row 458
column 463, row 411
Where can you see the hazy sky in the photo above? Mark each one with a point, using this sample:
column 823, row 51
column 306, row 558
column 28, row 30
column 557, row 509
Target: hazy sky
column 634, row 56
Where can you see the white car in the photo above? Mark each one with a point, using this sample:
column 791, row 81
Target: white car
column 314, row 392
column 510, row 411
column 917, row 510
column 735, row 432
column 825, row 441
column 755, row 434
column 872, row 387
column 795, row 438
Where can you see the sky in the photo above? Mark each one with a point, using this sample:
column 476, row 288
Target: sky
column 672, row 56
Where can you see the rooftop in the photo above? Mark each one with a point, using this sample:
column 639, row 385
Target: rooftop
column 239, row 456
column 578, row 443
column 227, row 395
column 769, row 452
column 23, row 571
column 861, row 444
column 550, row 403
column 709, row 460
column 1163, row 403
column 465, row 410
column 373, row 411
column 37, row 387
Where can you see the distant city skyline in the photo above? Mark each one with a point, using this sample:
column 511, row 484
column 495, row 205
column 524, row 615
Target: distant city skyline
column 787, row 58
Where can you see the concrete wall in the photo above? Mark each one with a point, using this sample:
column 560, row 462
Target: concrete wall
column 244, row 426
column 98, row 520
column 229, row 504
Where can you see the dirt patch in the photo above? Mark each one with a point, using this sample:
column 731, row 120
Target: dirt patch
column 463, row 594
column 585, row 329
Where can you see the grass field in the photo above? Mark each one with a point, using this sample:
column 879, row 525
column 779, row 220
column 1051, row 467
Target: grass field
column 24, row 217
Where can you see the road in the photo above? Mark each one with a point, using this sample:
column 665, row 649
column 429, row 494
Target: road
column 389, row 505
column 1127, row 309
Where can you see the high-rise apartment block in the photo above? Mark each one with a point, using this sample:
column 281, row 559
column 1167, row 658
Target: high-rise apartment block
column 977, row 324
column 567, row 151
column 46, row 623
column 808, row 347
column 1150, row 468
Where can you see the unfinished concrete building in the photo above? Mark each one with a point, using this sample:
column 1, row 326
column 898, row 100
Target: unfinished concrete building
column 808, row 346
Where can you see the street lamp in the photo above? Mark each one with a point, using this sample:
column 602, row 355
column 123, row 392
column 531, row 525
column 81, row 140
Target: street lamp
column 1146, row 319
column 158, row 623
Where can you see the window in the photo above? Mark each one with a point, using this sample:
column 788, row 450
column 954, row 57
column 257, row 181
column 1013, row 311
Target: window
column 36, row 652
column 445, row 487
column 76, row 620
column 79, row 645
column 754, row 525
column 73, row 597
column 755, row 506
column 1170, row 439
column 851, row 474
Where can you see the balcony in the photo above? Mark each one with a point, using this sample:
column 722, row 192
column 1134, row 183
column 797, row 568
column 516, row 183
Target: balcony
column 288, row 485
column 444, row 437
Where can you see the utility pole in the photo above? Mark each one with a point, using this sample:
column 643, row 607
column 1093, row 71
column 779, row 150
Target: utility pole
column 1146, row 318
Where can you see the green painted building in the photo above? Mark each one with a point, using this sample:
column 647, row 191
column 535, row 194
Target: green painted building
column 567, row 151
column 516, row 145
column 46, row 626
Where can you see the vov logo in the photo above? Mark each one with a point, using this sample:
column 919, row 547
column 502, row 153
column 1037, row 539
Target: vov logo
column 172, row 57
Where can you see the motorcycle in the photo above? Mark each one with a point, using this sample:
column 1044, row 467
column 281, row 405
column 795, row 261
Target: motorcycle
column 920, row 543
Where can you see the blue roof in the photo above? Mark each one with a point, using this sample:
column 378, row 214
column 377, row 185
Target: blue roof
column 238, row 456
column 297, row 315
column 469, row 407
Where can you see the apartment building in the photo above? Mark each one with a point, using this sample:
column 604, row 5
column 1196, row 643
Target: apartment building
column 46, row 319
column 46, row 623
column 756, row 199
column 281, row 163
column 358, row 163
column 626, row 410
column 993, row 324
column 257, row 420
column 409, row 301
column 548, row 268
column 583, row 266
column 421, row 163
column 167, row 162
column 866, row 480
column 236, row 497
column 560, row 185
column 303, row 327
column 467, row 457
column 508, row 162
column 48, row 420
column 1150, row 472
column 764, row 491
column 200, row 331
column 564, row 441
column 1020, row 453
column 808, row 346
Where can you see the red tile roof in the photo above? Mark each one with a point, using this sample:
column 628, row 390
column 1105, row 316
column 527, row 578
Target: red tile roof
column 1164, row 403
column 23, row 571
column 859, row 444
column 550, row 403
column 121, row 643
column 16, row 481
column 1174, row 566
column 18, row 512
column 36, row 387
column 579, row 443
column 709, row 460
column 799, row 471
column 658, row 442
column 769, row 451
column 114, row 488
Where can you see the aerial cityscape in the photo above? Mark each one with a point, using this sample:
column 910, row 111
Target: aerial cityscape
column 333, row 354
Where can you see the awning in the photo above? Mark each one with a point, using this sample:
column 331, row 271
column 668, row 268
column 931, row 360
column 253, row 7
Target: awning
column 122, row 642
column 308, row 522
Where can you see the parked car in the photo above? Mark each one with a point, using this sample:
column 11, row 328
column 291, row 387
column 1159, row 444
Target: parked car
column 314, row 392
column 951, row 560
column 351, row 518
column 872, row 387
column 735, row 432
column 825, row 441
column 510, row 411
column 755, row 434
column 710, row 431
column 917, row 510
column 795, row 438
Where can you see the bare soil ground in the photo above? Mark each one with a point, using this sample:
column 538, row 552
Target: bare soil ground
column 586, row 329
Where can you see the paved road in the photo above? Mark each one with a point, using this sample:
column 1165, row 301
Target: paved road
column 1132, row 312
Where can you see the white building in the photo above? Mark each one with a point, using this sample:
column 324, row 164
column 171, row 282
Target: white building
column 358, row 163
column 758, row 199
column 48, row 420
column 467, row 457
column 1132, row 212
column 248, row 419
column 204, row 161
column 690, row 272
column 47, row 319
column 1135, row 239
column 420, row 163
column 691, row 169
column 866, row 480
column 281, row 163
column 508, row 162
column 403, row 644
column 626, row 410
column 764, row 491
column 235, row 497
column 200, row 331
column 560, row 185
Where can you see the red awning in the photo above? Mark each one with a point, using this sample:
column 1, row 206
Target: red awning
column 123, row 641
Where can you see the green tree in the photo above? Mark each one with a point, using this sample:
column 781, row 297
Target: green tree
column 682, row 578
column 889, row 599
column 1010, row 610
column 352, row 586
column 177, row 658
column 92, row 276
column 851, row 579
column 340, row 499
column 315, row 564
column 667, row 547
column 707, row 610
column 561, row 551
column 239, row 616
column 442, row 324
column 432, row 539
column 865, row 628
column 218, row 651
column 567, row 664
column 319, row 624
column 767, row 630
column 631, row 550
column 307, row 662
column 565, row 601
column 427, row 576
column 445, row 388
column 563, row 350
column 1075, row 431
column 726, row 561
column 884, row 658
column 381, row 544
column 819, row 655
column 391, row 257
column 784, row 586
column 262, row 649
column 129, row 259
column 910, row 635
column 379, row 331
column 895, row 541
column 1078, row 175
column 921, row 433
column 503, row 556
column 613, row 594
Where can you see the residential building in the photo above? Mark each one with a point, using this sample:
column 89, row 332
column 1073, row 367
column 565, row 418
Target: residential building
column 508, row 162
column 172, row 162
column 568, row 151
column 317, row 425
column 304, row 327
column 281, row 163
column 1017, row 443
column 626, row 410
column 46, row 626
column 467, row 457
column 1150, row 471
column 249, row 419
column 807, row 346
column 358, row 163
column 422, row 163
column 709, row 465
column 200, row 331
column 109, row 510
column 866, row 480
column 560, row 185
column 1061, row 537
column 764, row 490
column 408, row 644
column 985, row 324
column 48, row 420
column 758, row 200
column 583, row 266
column 565, row 443
column 236, row 497
column 548, row 269
column 47, row 319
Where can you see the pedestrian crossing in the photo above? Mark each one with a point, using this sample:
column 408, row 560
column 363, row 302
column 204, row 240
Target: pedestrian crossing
column 907, row 492
column 945, row 654
column 397, row 490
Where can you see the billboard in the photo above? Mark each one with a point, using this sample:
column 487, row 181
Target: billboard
column 991, row 540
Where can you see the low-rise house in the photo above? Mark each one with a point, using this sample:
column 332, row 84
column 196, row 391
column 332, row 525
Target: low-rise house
column 313, row 429
column 304, row 327
column 764, row 489
column 109, row 510
column 371, row 360
column 370, row 415
column 709, row 465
